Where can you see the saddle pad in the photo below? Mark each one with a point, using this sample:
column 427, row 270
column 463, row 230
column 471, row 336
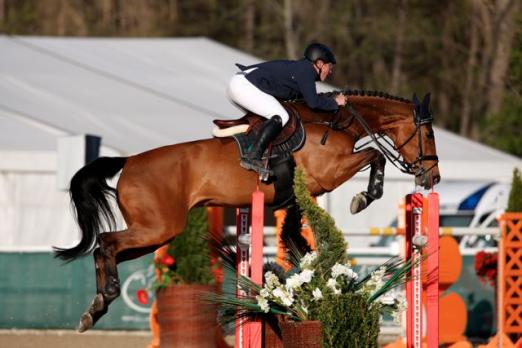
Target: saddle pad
column 246, row 142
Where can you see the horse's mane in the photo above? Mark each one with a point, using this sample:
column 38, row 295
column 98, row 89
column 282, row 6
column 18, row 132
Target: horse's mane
column 367, row 93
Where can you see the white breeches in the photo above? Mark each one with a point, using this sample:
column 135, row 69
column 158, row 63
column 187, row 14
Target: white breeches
column 247, row 96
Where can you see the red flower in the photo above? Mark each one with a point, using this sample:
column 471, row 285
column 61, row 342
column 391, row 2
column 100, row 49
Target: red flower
column 486, row 267
column 167, row 260
column 142, row 296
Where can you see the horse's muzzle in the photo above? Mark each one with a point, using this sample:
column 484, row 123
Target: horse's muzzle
column 428, row 179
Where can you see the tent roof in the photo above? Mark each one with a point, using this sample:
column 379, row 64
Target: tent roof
column 136, row 93
column 143, row 93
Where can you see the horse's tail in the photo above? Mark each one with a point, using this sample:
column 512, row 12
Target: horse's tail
column 89, row 192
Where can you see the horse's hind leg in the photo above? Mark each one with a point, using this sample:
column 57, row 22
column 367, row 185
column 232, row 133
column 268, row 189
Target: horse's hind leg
column 115, row 247
column 107, row 289
column 375, row 185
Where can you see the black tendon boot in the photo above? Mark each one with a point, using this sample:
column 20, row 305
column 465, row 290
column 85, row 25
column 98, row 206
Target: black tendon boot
column 268, row 132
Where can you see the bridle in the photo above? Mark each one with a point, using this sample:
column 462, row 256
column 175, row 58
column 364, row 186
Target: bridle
column 421, row 119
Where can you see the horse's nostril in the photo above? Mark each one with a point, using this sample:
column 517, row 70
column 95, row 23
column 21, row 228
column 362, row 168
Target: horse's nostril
column 436, row 179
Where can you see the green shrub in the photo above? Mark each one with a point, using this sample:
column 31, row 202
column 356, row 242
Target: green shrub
column 347, row 320
column 191, row 254
column 515, row 195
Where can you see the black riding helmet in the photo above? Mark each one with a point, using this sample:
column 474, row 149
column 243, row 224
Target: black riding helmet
column 317, row 51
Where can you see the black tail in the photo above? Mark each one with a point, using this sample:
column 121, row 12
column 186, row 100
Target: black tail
column 89, row 191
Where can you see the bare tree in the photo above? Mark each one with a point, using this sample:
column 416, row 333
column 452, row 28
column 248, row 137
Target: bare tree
column 398, row 51
column 503, row 33
column 2, row 11
column 290, row 37
column 249, row 16
column 467, row 102
column 106, row 9
column 172, row 11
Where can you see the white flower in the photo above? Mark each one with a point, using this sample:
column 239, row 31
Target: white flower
column 402, row 305
column 317, row 294
column 376, row 280
column 400, row 302
column 285, row 297
column 271, row 280
column 293, row 282
column 397, row 317
column 306, row 276
column 331, row 283
column 378, row 274
column 263, row 303
column 387, row 300
column 264, row 293
column 307, row 260
column 338, row 270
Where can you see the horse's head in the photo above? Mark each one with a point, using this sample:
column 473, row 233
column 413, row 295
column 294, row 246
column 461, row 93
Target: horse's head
column 415, row 141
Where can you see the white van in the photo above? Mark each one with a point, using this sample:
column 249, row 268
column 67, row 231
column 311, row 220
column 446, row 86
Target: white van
column 472, row 204
column 468, row 204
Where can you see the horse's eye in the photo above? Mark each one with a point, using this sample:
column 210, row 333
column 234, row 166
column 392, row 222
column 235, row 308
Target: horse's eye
column 430, row 135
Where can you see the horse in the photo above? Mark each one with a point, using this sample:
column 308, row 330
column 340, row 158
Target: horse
column 157, row 188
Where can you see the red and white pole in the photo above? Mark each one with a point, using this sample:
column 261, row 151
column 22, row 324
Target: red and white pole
column 250, row 264
column 418, row 233
column 256, row 259
column 432, row 288
column 243, row 269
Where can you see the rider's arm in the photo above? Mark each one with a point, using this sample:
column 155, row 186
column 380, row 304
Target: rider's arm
column 305, row 78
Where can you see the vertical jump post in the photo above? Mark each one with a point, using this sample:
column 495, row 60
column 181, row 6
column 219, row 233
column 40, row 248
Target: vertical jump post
column 250, row 264
column 422, row 228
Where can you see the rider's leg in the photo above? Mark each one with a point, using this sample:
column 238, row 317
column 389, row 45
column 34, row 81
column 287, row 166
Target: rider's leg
column 248, row 97
column 244, row 94
column 268, row 132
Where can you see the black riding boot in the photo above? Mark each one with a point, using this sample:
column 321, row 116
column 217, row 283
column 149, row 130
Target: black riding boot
column 268, row 132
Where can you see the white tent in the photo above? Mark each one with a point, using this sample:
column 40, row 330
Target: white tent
column 139, row 94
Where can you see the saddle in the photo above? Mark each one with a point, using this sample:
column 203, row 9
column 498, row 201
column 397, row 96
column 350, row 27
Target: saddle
column 278, row 154
column 254, row 122
column 290, row 139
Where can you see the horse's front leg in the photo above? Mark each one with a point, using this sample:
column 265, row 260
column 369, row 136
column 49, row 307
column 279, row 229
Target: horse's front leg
column 375, row 185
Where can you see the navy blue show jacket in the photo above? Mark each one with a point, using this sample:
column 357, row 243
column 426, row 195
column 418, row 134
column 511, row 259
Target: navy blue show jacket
column 289, row 79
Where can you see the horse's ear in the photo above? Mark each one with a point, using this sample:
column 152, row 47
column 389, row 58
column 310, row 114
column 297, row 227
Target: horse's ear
column 415, row 99
column 426, row 101
column 425, row 108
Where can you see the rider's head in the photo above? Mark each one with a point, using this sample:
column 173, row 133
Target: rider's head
column 321, row 57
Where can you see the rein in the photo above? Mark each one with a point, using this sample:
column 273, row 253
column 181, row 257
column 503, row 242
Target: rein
column 409, row 168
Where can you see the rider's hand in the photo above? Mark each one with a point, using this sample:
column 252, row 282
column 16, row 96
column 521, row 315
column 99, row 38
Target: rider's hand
column 340, row 99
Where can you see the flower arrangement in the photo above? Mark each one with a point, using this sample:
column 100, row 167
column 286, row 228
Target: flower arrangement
column 486, row 267
column 299, row 295
column 321, row 285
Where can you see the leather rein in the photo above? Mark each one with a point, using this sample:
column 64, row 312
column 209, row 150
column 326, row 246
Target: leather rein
column 397, row 160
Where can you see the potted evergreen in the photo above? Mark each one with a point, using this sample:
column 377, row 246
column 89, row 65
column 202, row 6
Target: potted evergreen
column 322, row 301
column 184, row 273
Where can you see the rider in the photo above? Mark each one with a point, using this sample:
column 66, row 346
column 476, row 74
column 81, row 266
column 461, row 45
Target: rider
column 256, row 88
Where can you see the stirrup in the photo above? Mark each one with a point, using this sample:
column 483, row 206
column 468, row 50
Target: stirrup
column 256, row 166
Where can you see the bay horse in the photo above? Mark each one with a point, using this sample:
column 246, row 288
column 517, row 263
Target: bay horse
column 157, row 188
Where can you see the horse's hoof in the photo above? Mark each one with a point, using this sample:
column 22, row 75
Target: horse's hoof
column 359, row 202
column 86, row 322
